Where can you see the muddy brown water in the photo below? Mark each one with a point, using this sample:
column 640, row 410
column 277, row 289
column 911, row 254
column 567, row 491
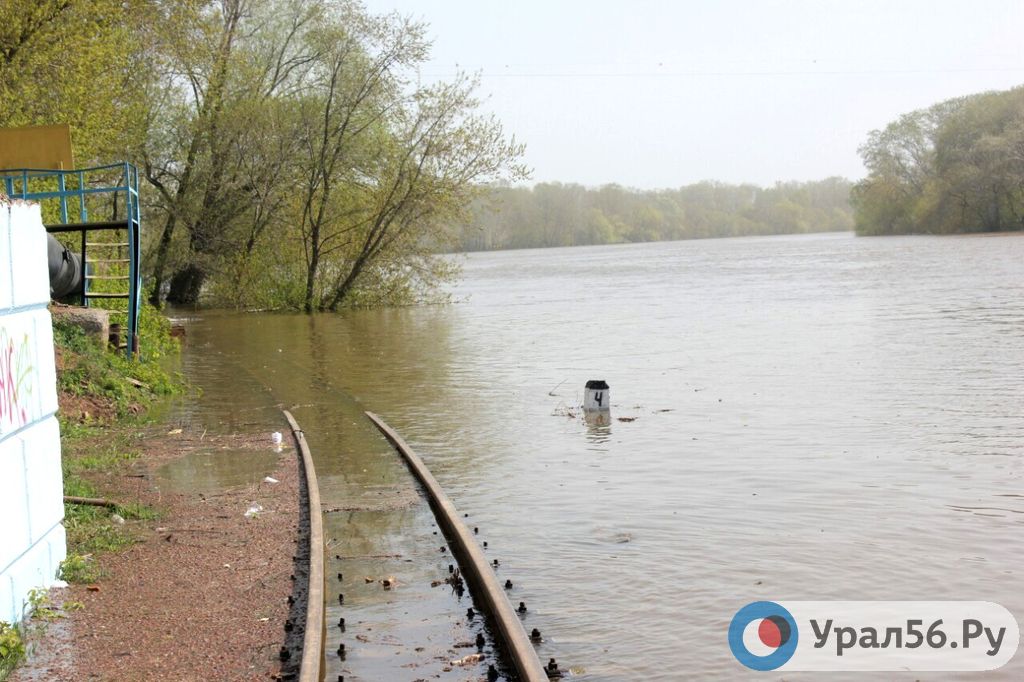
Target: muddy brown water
column 212, row 470
column 377, row 523
column 817, row 417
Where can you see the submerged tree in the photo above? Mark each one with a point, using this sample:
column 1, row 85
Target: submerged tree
column 386, row 167
column 286, row 131
column 219, row 141
column 957, row 166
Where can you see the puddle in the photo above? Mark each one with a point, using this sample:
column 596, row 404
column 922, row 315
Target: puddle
column 209, row 471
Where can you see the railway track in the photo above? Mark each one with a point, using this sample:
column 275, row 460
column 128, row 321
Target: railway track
column 307, row 628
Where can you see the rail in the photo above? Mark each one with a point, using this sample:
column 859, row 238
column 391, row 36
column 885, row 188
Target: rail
column 313, row 641
column 70, row 201
column 490, row 596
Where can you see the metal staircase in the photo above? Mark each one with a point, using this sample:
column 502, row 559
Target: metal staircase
column 101, row 205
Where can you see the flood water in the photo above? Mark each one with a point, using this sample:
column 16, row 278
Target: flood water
column 817, row 417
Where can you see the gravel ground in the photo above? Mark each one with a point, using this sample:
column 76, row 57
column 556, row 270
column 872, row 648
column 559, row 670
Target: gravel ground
column 201, row 596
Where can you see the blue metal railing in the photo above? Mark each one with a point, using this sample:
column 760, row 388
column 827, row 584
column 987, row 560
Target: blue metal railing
column 71, row 190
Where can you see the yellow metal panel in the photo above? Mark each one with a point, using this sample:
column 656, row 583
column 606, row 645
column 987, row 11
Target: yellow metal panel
column 43, row 147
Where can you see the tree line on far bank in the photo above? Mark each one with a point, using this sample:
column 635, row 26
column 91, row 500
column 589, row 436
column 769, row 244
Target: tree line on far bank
column 555, row 214
column 955, row 167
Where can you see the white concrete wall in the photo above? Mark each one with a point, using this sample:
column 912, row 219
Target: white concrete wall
column 32, row 542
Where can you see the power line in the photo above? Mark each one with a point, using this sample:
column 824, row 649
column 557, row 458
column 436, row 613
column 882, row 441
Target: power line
column 704, row 74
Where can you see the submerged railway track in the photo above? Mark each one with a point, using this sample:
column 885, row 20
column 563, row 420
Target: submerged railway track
column 306, row 629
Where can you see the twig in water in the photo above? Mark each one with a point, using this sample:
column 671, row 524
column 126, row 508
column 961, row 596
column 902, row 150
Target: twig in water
column 552, row 391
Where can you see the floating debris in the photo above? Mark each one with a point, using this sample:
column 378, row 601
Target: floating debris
column 467, row 660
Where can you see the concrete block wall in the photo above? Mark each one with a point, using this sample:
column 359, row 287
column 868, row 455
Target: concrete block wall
column 32, row 540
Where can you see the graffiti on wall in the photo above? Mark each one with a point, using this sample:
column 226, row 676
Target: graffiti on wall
column 18, row 379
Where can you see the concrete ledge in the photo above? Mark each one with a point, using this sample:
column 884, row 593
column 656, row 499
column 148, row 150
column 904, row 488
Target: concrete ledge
column 95, row 322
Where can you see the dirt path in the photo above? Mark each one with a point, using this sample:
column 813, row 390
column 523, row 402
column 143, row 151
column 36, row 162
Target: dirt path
column 204, row 593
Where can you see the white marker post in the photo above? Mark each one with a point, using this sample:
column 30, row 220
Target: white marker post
column 597, row 401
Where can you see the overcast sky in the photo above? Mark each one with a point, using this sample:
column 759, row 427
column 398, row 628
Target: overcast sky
column 655, row 94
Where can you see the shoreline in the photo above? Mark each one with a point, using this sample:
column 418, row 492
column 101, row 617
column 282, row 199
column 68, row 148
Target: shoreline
column 203, row 591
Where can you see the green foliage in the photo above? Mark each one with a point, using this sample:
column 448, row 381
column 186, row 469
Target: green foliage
column 12, row 648
column 92, row 370
column 39, row 612
column 91, row 529
column 307, row 167
column 957, row 166
column 553, row 214
column 40, row 606
column 79, row 569
column 70, row 61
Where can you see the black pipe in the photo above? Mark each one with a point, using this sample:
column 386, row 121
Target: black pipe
column 66, row 271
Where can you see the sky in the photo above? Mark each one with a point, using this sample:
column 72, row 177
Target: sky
column 652, row 94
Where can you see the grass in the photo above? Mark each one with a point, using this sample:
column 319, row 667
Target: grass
column 128, row 385
column 93, row 530
column 93, row 448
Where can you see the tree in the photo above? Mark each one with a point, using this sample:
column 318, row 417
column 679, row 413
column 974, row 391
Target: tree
column 387, row 168
column 954, row 167
column 555, row 214
column 219, row 142
column 73, row 61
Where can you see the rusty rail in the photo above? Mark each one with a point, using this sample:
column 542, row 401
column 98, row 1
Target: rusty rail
column 313, row 642
column 490, row 597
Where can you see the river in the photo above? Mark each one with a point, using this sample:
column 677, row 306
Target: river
column 817, row 417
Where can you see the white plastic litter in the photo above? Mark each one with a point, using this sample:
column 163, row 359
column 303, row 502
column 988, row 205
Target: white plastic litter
column 253, row 510
column 276, row 437
column 467, row 660
column 270, row 479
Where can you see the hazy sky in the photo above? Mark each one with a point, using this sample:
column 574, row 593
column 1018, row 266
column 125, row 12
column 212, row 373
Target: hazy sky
column 661, row 94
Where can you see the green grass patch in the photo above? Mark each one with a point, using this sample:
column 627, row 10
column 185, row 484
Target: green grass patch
column 131, row 384
column 93, row 448
column 90, row 529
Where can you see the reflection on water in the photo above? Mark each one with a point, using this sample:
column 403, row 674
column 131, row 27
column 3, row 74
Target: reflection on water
column 215, row 470
column 811, row 418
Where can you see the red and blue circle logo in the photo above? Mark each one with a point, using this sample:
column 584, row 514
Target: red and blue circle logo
column 763, row 635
